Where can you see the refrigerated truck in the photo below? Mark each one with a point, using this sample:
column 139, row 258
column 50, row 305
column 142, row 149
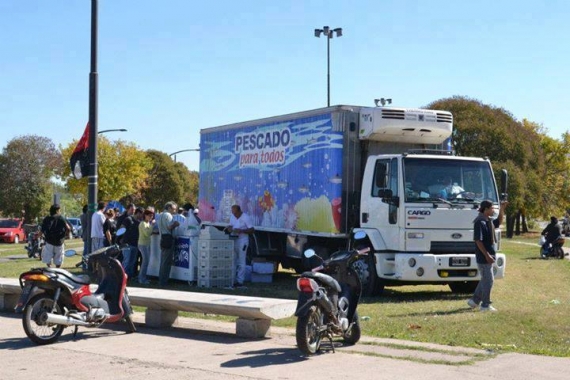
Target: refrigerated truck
column 309, row 179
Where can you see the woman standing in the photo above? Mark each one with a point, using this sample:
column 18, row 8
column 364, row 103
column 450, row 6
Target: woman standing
column 145, row 231
column 110, row 228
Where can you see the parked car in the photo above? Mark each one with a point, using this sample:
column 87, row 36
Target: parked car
column 75, row 227
column 12, row 231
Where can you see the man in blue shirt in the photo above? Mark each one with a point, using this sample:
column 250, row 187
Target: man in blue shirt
column 484, row 237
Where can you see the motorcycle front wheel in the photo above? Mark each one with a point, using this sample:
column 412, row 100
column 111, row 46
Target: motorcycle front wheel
column 127, row 309
column 353, row 335
column 308, row 331
column 37, row 330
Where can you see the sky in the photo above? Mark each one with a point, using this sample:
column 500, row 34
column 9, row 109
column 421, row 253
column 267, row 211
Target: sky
column 168, row 69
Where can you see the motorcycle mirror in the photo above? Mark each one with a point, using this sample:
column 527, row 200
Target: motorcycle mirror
column 121, row 231
column 70, row 253
column 359, row 235
column 309, row 253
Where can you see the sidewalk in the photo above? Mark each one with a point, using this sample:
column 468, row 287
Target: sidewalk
column 206, row 349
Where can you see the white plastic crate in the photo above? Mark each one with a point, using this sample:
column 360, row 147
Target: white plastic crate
column 215, row 245
column 208, row 255
column 215, row 282
column 216, row 264
column 217, row 273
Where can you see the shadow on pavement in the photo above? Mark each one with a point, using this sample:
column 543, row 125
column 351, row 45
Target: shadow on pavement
column 267, row 357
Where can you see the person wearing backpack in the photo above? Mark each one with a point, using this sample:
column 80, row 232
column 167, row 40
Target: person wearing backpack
column 54, row 228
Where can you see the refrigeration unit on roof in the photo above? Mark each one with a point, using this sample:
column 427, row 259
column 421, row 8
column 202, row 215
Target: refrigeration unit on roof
column 406, row 125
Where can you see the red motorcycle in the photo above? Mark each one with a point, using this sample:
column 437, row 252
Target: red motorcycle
column 54, row 298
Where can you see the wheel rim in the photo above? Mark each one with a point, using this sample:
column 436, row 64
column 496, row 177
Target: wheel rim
column 313, row 330
column 42, row 330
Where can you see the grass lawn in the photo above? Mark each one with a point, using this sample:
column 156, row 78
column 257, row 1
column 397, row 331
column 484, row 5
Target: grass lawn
column 533, row 302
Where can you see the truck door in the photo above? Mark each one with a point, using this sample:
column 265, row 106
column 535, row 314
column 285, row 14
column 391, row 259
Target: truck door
column 381, row 209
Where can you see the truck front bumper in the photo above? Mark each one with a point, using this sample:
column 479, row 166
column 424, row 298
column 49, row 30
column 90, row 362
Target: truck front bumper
column 425, row 267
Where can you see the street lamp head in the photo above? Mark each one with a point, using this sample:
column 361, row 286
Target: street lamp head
column 318, row 32
column 382, row 101
column 326, row 30
column 338, row 32
column 112, row 130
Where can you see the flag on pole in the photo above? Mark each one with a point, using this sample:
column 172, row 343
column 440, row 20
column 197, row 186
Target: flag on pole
column 79, row 160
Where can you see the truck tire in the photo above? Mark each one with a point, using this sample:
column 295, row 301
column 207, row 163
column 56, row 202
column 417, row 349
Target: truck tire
column 463, row 287
column 372, row 285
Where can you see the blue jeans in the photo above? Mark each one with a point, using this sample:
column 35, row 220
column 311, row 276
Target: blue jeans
column 86, row 251
column 145, row 252
column 483, row 291
column 130, row 254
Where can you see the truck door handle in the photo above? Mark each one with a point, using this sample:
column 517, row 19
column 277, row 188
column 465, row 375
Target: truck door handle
column 364, row 217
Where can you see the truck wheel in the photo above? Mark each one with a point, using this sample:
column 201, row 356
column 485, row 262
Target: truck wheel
column 371, row 284
column 463, row 287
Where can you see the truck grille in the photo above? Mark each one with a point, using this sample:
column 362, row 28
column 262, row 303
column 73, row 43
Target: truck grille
column 452, row 247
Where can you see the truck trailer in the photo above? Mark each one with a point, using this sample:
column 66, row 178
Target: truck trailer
column 309, row 179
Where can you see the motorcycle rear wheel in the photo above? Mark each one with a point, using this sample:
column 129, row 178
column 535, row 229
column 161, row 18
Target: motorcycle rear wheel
column 40, row 332
column 353, row 335
column 308, row 331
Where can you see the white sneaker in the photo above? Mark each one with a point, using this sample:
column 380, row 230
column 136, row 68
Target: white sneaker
column 472, row 304
column 488, row 308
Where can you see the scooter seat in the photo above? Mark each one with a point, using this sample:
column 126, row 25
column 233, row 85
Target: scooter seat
column 324, row 279
column 82, row 279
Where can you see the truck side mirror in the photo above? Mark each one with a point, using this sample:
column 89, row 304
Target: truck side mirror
column 504, row 184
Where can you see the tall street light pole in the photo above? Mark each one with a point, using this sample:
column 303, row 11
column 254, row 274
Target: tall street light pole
column 328, row 33
column 184, row 150
column 93, row 80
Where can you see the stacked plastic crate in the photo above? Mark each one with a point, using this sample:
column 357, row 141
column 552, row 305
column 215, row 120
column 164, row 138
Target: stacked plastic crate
column 215, row 259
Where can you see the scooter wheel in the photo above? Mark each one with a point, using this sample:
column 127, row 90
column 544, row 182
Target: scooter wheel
column 353, row 335
column 308, row 331
column 37, row 330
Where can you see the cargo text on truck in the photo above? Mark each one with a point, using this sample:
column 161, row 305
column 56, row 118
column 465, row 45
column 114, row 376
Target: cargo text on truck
column 309, row 178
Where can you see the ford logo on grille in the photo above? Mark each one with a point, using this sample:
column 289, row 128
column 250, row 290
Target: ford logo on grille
column 456, row 236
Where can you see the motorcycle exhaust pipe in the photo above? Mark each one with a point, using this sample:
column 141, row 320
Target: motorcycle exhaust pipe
column 324, row 302
column 63, row 320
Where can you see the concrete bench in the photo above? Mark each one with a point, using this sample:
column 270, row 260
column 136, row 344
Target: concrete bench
column 162, row 306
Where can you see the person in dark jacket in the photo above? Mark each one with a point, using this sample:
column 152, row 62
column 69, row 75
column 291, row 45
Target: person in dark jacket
column 552, row 232
column 54, row 228
column 484, row 237
column 131, row 238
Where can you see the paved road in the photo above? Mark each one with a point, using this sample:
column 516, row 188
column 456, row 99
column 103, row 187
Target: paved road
column 206, row 350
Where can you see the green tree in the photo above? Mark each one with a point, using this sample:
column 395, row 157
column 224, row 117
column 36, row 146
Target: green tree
column 485, row 131
column 122, row 171
column 27, row 166
column 168, row 181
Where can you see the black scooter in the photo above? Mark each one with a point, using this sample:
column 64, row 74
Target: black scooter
column 554, row 249
column 328, row 297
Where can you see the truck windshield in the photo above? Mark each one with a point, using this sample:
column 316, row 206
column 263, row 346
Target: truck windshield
column 437, row 179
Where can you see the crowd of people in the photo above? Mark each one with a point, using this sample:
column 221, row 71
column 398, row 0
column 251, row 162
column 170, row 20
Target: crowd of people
column 139, row 225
